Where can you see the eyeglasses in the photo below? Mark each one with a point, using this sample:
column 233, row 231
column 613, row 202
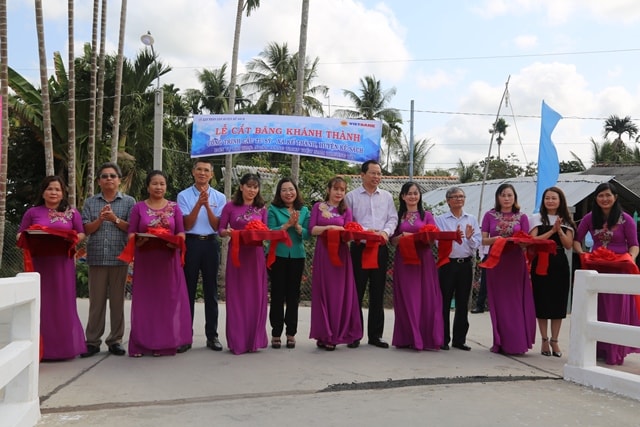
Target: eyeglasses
column 108, row 175
column 456, row 197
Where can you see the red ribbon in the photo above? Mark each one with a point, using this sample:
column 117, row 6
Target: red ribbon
column 428, row 234
column 540, row 247
column 255, row 238
column 604, row 260
column 54, row 242
column 332, row 239
column 163, row 236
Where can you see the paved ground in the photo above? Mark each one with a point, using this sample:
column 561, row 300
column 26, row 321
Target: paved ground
column 309, row 386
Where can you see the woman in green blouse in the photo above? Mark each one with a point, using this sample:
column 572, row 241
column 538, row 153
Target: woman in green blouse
column 287, row 212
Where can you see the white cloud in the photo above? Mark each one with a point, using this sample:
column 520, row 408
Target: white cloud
column 526, row 41
column 438, row 79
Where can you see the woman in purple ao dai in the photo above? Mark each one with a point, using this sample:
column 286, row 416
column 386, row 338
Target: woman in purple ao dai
column 513, row 314
column 417, row 299
column 335, row 312
column 246, row 285
column 60, row 327
column 160, row 310
column 615, row 230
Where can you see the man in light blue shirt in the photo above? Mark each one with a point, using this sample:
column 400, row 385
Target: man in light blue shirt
column 201, row 207
column 456, row 276
column 374, row 209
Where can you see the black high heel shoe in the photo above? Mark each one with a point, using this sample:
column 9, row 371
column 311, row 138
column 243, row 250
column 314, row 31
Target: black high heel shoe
column 542, row 352
column 555, row 353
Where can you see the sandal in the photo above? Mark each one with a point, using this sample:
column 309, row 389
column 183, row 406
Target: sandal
column 555, row 353
column 320, row 344
column 329, row 347
column 275, row 342
column 136, row 355
column 545, row 342
column 291, row 341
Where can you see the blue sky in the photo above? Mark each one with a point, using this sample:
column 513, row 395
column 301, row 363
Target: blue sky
column 452, row 58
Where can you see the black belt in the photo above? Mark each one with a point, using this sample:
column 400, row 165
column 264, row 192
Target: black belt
column 460, row 260
column 201, row 236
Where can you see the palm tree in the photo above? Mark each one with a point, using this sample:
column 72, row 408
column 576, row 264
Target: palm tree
column 250, row 5
column 421, row 149
column 215, row 90
column 44, row 87
column 468, row 173
column 302, row 52
column 91, row 157
column 615, row 124
column 499, row 128
column 101, row 71
column 4, row 105
column 371, row 104
column 71, row 132
column 117, row 101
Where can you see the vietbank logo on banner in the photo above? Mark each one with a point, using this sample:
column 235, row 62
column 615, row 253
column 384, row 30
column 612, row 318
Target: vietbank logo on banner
column 341, row 139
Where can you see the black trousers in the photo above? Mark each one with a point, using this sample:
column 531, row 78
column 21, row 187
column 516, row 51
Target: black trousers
column 455, row 279
column 203, row 256
column 377, row 279
column 285, row 274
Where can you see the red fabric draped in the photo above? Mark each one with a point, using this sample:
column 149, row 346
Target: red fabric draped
column 49, row 242
column 540, row 247
column 604, row 260
column 372, row 243
column 407, row 244
column 370, row 253
column 255, row 238
column 162, row 237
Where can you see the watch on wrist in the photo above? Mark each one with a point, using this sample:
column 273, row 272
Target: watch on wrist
column 118, row 220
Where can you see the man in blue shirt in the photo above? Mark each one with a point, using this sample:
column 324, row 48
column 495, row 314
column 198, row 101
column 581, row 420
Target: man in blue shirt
column 201, row 207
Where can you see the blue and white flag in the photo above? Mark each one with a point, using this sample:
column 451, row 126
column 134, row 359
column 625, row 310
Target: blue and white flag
column 548, row 164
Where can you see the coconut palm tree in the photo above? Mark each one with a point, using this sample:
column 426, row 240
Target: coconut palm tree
column 101, row 70
column 468, row 173
column 4, row 105
column 615, row 124
column 118, row 88
column 371, row 104
column 499, row 128
column 46, row 106
column 249, row 6
column 71, row 132
column 302, row 56
column 421, row 149
column 91, row 157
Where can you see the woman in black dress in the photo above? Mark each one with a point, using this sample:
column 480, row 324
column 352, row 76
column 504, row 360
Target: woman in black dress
column 551, row 292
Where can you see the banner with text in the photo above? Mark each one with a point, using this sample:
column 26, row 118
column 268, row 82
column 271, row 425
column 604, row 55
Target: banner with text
column 341, row 139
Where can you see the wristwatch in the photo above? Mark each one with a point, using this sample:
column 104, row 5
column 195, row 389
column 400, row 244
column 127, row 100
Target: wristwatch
column 117, row 220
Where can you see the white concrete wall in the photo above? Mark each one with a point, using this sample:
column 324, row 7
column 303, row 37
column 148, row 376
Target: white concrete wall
column 586, row 330
column 19, row 355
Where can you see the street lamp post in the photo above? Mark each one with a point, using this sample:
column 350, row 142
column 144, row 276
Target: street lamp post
column 158, row 108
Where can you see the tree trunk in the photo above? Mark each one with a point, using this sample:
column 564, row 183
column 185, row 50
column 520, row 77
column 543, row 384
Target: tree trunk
column 302, row 54
column 91, row 146
column 101, row 70
column 231, row 108
column 71, row 164
column 4, row 125
column 44, row 89
column 118, row 88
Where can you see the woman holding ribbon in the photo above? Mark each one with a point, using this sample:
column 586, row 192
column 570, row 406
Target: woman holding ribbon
column 246, row 283
column 50, row 253
column 417, row 298
column 335, row 312
column 160, row 310
column 508, row 284
column 551, row 291
column 613, row 231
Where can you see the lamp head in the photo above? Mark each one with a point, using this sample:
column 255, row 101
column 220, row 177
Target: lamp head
column 147, row 39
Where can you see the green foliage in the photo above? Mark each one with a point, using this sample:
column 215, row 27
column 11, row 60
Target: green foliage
column 82, row 279
column 571, row 166
column 502, row 168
